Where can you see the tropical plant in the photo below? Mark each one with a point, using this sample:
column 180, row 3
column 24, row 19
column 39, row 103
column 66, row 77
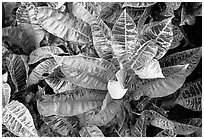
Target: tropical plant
column 100, row 69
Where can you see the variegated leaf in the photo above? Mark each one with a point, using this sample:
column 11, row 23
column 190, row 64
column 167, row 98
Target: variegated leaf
column 17, row 118
column 177, row 37
column 65, row 126
column 5, row 77
column 6, row 94
column 171, row 6
column 161, row 32
column 191, row 96
column 88, row 72
column 138, row 4
column 57, row 5
column 107, row 114
column 91, row 131
column 71, row 103
column 57, row 81
column 45, row 67
column 191, row 57
column 150, row 71
column 43, row 52
column 26, row 18
column 64, row 26
column 124, row 37
column 140, row 127
column 166, row 133
column 174, row 79
column 18, row 69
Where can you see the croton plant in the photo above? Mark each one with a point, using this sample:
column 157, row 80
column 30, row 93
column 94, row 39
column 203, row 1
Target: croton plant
column 101, row 69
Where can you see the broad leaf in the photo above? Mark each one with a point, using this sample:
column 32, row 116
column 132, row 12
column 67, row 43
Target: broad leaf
column 43, row 52
column 138, row 4
column 174, row 79
column 57, row 81
column 65, row 126
column 45, row 67
column 177, row 37
column 16, row 117
column 18, row 69
column 191, row 96
column 88, row 72
column 166, row 133
column 191, row 57
column 71, row 103
column 64, row 26
column 124, row 37
column 107, row 114
column 91, row 131
column 150, row 71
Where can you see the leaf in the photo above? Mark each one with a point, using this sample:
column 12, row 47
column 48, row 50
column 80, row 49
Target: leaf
column 6, row 94
column 65, row 126
column 116, row 90
column 191, row 57
column 177, row 37
column 91, row 131
column 124, row 37
column 166, row 133
column 170, row 7
column 26, row 18
column 191, row 96
column 138, row 4
column 71, row 103
column 18, row 69
column 45, row 67
column 140, row 127
column 174, row 79
column 87, row 72
column 63, row 25
column 17, row 119
column 107, row 114
column 150, row 71
column 43, row 52
column 161, row 32
column 57, row 81
column 5, row 77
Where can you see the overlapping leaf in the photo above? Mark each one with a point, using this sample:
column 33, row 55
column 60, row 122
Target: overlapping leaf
column 43, row 52
column 166, row 133
column 138, row 4
column 17, row 119
column 64, row 26
column 45, row 67
column 6, row 93
column 177, row 37
column 91, row 131
column 88, row 72
column 191, row 96
column 71, row 103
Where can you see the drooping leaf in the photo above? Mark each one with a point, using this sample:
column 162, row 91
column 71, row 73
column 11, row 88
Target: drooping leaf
column 18, row 69
column 88, row 72
column 26, row 18
column 138, row 4
column 6, row 94
column 64, row 26
column 191, row 57
column 43, row 52
column 124, row 37
column 45, row 67
column 177, row 37
column 91, row 131
column 161, row 32
column 191, row 96
column 57, row 81
column 17, row 119
column 107, row 114
column 166, row 133
column 174, row 79
column 150, row 71
column 65, row 126
column 71, row 103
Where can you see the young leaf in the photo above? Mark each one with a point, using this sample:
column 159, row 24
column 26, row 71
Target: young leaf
column 71, row 103
column 45, row 67
column 65, row 126
column 43, row 52
column 87, row 72
column 6, row 94
column 124, row 37
column 107, row 114
column 91, row 131
column 17, row 119
column 191, row 57
column 191, row 96
column 63, row 25
column 18, row 69
column 150, row 71
column 138, row 4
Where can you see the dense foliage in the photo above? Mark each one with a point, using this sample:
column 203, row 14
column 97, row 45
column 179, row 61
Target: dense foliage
column 95, row 69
